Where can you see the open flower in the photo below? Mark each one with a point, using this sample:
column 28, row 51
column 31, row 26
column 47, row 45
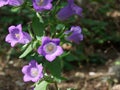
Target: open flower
column 32, row 72
column 74, row 34
column 50, row 48
column 69, row 10
column 41, row 5
column 16, row 35
column 11, row 2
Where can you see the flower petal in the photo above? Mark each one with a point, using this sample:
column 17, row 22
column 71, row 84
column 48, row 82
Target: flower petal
column 15, row 2
column 3, row 2
column 50, row 58
column 59, row 51
column 65, row 13
column 24, row 69
column 9, row 39
column 26, row 78
column 56, row 41
column 45, row 40
column 25, row 39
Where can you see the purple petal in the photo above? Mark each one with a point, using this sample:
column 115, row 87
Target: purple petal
column 15, row 2
column 45, row 40
column 75, row 37
column 67, row 32
column 3, row 2
column 33, row 62
column 24, row 69
column 69, row 10
column 70, row 1
column 40, row 68
column 25, row 39
column 26, row 78
column 40, row 51
column 56, row 41
column 9, row 39
column 50, row 58
column 65, row 13
column 45, row 5
column 13, row 44
column 76, row 9
column 48, row 6
column 59, row 51
column 11, row 28
column 76, row 29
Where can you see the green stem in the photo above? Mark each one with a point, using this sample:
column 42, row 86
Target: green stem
column 56, row 86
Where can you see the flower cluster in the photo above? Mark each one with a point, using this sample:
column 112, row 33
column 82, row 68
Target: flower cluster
column 48, row 47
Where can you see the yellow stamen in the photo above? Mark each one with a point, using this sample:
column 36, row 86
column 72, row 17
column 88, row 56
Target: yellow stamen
column 41, row 2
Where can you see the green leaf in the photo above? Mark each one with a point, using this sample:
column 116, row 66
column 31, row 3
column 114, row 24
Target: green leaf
column 41, row 86
column 38, row 27
column 28, row 50
column 54, row 68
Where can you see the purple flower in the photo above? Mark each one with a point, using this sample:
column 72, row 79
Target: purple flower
column 50, row 48
column 11, row 2
column 74, row 34
column 41, row 5
column 32, row 72
column 16, row 35
column 69, row 10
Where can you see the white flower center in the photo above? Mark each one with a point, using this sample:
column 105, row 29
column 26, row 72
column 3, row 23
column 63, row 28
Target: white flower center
column 50, row 48
column 34, row 72
column 17, row 36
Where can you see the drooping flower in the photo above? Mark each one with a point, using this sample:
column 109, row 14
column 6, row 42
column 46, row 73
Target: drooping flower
column 41, row 5
column 50, row 48
column 32, row 72
column 11, row 2
column 69, row 10
column 74, row 34
column 16, row 35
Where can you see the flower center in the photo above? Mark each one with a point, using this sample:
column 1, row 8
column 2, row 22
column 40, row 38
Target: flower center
column 17, row 36
column 34, row 72
column 50, row 48
column 40, row 2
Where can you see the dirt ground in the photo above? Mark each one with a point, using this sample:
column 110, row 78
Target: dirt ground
column 88, row 77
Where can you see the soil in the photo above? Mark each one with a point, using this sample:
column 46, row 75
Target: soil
column 87, row 77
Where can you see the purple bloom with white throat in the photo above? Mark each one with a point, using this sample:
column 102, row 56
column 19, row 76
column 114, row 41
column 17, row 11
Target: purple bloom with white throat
column 41, row 5
column 50, row 48
column 11, row 2
column 69, row 10
column 32, row 72
column 74, row 34
column 16, row 35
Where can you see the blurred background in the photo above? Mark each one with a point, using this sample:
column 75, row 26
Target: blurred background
column 90, row 64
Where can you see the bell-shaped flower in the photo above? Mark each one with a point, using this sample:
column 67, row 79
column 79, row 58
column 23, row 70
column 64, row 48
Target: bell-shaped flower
column 50, row 48
column 74, row 34
column 16, row 35
column 69, row 10
column 41, row 5
column 11, row 2
column 32, row 72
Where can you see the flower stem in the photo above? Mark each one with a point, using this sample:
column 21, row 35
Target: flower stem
column 56, row 86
